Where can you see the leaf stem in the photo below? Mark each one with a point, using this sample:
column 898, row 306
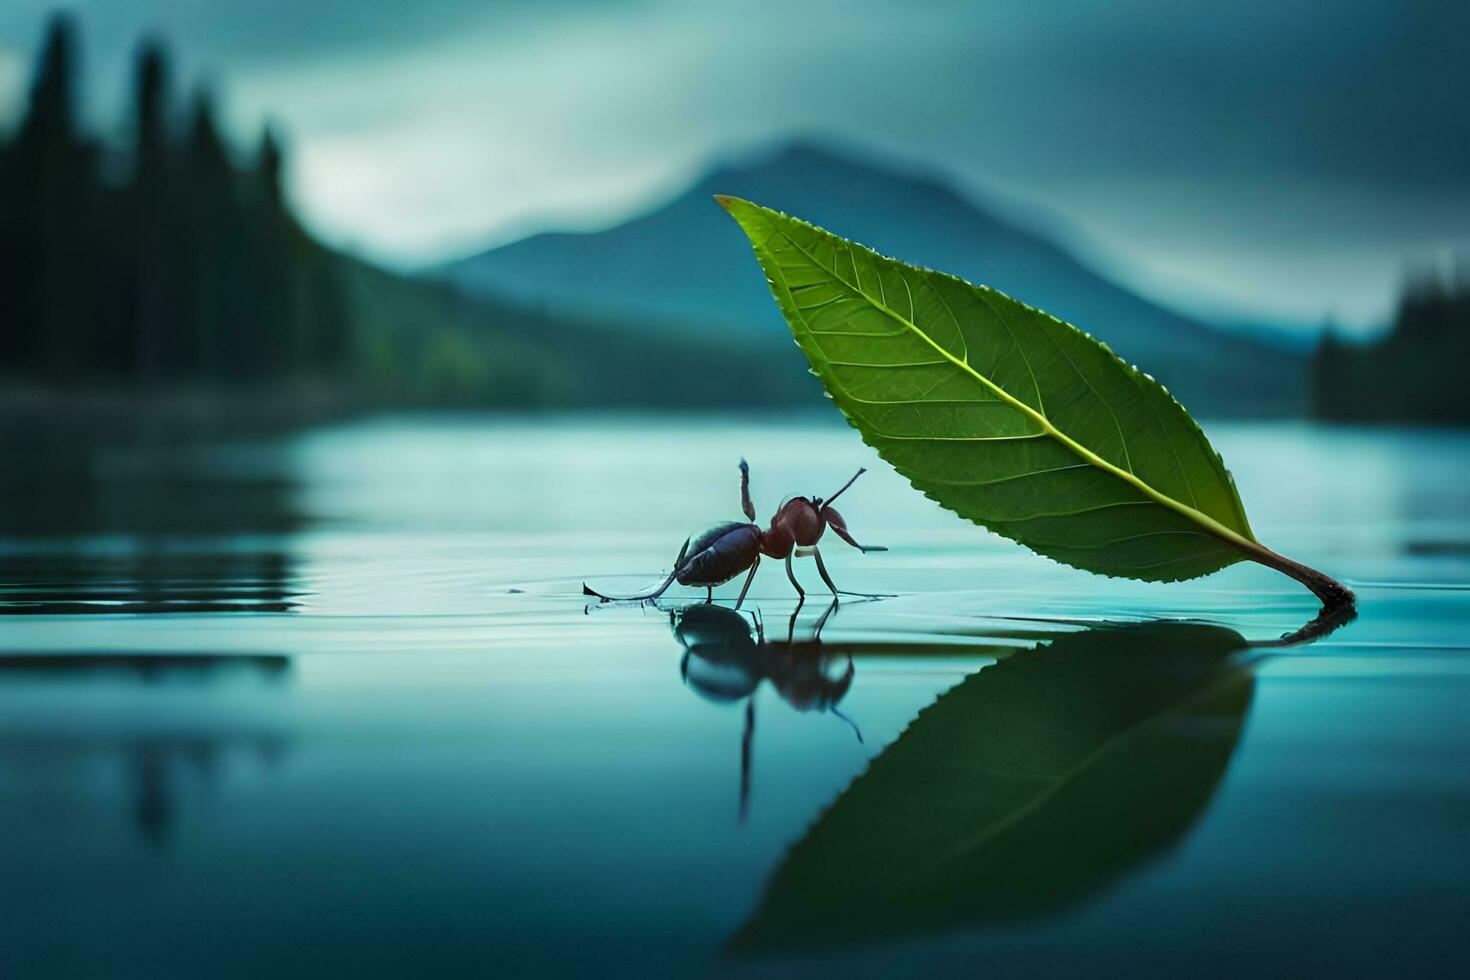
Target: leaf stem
column 1334, row 594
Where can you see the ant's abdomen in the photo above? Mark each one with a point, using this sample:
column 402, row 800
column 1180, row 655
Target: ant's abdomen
column 719, row 554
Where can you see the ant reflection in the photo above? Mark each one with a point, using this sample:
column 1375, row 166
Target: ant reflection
column 727, row 657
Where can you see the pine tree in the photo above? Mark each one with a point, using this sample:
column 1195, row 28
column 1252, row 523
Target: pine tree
column 212, row 265
column 154, row 294
column 50, row 185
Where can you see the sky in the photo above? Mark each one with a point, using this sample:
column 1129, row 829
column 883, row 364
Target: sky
column 1284, row 161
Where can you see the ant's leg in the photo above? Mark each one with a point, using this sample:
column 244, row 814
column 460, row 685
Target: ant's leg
column 839, row 527
column 791, row 626
column 823, row 570
column 662, row 588
column 817, row 633
column 835, row 590
column 864, row 548
column 747, row 742
column 709, row 594
column 745, row 503
column 748, row 579
column 791, row 574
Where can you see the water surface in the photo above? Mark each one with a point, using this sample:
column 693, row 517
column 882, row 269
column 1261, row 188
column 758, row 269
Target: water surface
column 334, row 702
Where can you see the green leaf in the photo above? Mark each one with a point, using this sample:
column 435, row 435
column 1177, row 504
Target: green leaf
column 1006, row 415
column 1029, row 787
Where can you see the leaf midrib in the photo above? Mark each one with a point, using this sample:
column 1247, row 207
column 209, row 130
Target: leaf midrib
column 1065, row 778
column 1163, row 499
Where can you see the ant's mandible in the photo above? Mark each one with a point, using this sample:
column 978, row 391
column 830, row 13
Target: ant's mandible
column 725, row 550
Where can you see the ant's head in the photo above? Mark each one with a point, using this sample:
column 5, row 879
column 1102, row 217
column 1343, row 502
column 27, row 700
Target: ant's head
column 805, row 679
column 799, row 522
column 802, row 518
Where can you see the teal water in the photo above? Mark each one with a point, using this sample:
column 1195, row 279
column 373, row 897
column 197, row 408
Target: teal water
column 333, row 703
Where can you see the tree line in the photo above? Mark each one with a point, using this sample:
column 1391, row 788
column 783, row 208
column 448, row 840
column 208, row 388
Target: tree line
column 1415, row 372
column 162, row 259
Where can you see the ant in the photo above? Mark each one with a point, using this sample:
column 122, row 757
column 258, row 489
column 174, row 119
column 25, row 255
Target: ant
column 725, row 550
column 725, row 663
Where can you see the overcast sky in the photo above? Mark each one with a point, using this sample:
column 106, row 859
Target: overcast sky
column 1283, row 159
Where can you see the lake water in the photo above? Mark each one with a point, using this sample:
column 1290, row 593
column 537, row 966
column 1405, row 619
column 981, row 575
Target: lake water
column 333, row 704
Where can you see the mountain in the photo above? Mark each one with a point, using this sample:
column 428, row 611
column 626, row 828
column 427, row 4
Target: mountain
column 685, row 266
column 423, row 343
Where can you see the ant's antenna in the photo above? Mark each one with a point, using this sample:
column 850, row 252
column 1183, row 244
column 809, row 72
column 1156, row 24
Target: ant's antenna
column 860, row 472
column 855, row 729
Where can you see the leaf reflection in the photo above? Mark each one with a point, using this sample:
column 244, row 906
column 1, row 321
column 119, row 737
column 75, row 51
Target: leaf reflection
column 1031, row 786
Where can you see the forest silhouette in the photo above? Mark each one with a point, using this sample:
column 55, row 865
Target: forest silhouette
column 174, row 260
column 1413, row 373
column 184, row 266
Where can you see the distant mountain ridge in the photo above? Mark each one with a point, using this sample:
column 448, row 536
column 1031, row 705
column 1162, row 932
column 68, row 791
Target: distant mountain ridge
column 685, row 266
